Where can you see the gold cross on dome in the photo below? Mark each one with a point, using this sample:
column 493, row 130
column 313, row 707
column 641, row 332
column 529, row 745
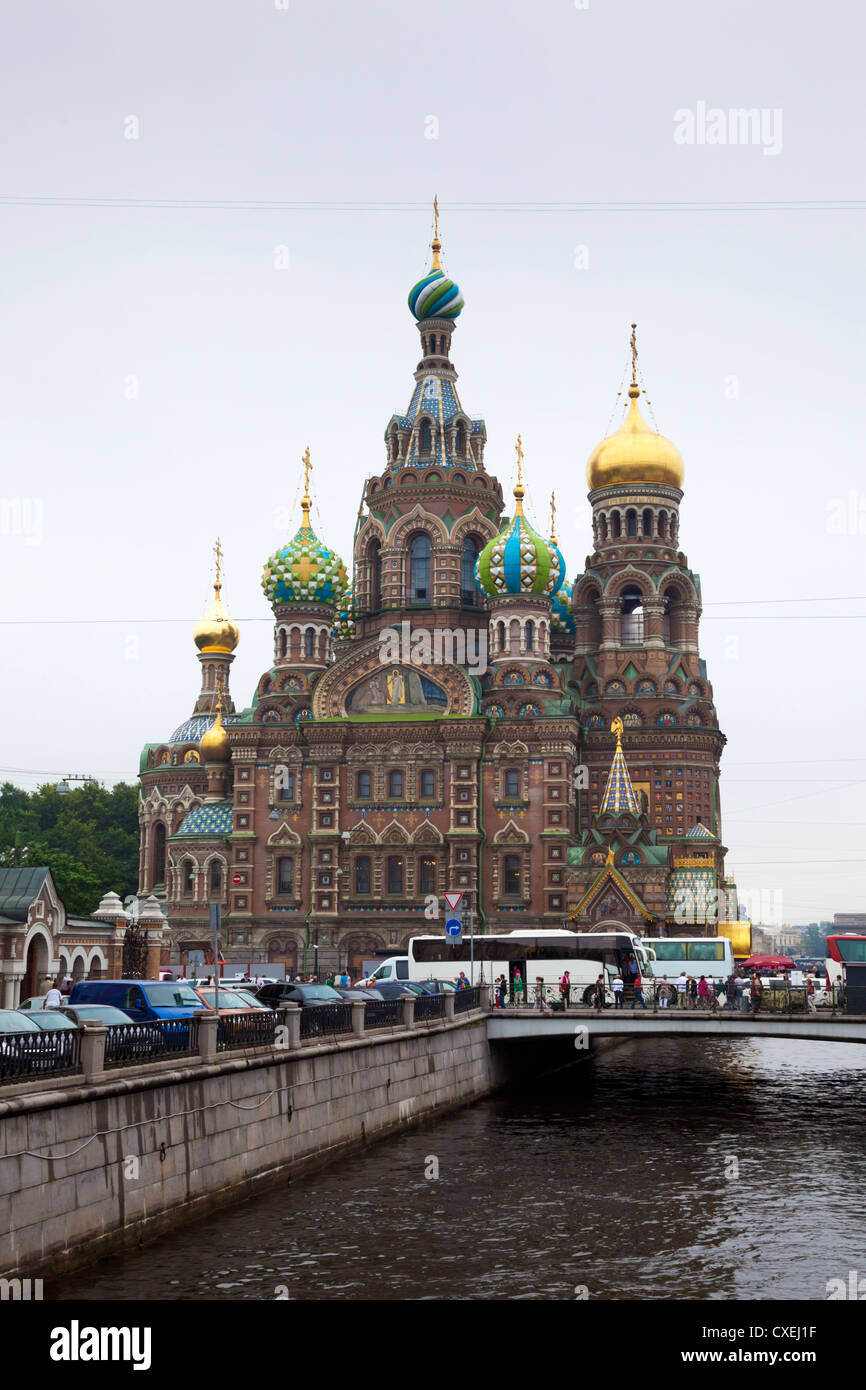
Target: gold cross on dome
column 633, row 345
column 307, row 467
column 553, row 516
column 519, row 448
column 218, row 552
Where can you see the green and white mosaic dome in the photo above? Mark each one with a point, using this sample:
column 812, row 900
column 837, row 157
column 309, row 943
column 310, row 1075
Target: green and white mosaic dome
column 305, row 571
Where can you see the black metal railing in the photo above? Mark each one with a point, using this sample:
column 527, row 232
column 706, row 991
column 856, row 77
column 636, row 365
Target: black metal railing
column 325, row 1020
column 54, row 1053
column 383, row 1013
column 429, row 1006
column 466, row 999
column 129, row 1043
column 255, row 1029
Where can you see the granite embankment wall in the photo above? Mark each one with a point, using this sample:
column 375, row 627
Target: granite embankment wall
column 87, row 1167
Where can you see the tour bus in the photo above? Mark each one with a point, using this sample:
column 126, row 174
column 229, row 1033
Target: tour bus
column 843, row 947
column 547, row 953
column 711, row 956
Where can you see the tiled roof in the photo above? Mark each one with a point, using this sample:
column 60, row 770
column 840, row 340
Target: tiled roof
column 18, row 888
column 213, row 818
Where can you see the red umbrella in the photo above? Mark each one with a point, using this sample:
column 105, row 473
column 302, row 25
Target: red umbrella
column 769, row 963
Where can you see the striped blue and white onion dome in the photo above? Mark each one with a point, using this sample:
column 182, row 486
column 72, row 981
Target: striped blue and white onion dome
column 518, row 560
column 435, row 297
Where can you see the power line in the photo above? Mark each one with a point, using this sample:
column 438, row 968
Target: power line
column 456, row 208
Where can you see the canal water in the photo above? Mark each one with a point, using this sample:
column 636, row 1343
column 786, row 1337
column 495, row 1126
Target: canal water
column 722, row 1169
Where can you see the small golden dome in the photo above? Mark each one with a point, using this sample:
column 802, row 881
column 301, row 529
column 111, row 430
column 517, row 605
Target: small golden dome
column 635, row 454
column 216, row 632
column 214, row 744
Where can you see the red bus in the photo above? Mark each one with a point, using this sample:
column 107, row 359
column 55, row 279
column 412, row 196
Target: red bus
column 841, row 948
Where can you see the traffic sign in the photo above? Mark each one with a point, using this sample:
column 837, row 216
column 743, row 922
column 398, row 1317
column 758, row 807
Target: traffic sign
column 454, row 928
column 453, row 900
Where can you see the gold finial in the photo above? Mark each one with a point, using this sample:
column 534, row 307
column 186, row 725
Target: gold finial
column 553, row 518
column 617, row 728
column 436, row 244
column 633, row 390
column 306, row 502
column 519, row 490
column 218, row 552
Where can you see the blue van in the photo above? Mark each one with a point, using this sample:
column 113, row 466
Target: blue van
column 143, row 1000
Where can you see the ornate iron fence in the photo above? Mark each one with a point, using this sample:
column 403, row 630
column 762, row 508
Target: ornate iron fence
column 466, row 999
column 55, row 1052
column 383, row 1013
column 325, row 1020
column 255, row 1029
column 429, row 1006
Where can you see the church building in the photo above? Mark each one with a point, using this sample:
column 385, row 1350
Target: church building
column 460, row 716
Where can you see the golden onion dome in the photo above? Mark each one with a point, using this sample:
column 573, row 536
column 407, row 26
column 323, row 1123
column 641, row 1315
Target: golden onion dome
column 216, row 632
column 635, row 454
column 214, row 744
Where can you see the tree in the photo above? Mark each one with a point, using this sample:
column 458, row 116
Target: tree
column 87, row 837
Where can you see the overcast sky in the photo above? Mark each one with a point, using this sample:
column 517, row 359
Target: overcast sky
column 162, row 370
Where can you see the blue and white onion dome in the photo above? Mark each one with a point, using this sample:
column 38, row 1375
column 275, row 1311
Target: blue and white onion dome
column 305, row 570
column 561, row 616
column 344, row 623
column 435, row 297
column 518, row 560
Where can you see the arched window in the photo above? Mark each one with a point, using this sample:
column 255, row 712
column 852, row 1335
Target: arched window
column 512, row 783
column 615, row 525
column 425, row 438
column 428, row 784
column 364, row 786
column 530, row 634
column 460, row 438
column 188, row 878
column 395, row 785
column 395, row 873
column 602, row 528
column 159, row 855
column 631, row 622
column 663, row 525
column 468, row 591
column 309, row 641
column 285, row 874
column 419, row 569
column 286, row 785
column 362, row 873
column 631, row 522
column 216, row 877
column 283, row 642
column 647, row 522
column 374, row 556
column 511, row 875
column 427, row 875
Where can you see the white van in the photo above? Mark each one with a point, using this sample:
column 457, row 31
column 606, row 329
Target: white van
column 394, row 968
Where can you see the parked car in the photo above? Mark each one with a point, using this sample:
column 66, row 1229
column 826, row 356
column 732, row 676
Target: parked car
column 286, row 992
column 143, row 1001
column 37, row 1001
column 368, row 995
column 11, row 1021
column 103, row 1014
column 51, row 1020
column 231, row 1002
column 436, row 986
column 396, row 989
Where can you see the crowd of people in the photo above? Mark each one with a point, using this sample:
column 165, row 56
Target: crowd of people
column 740, row 991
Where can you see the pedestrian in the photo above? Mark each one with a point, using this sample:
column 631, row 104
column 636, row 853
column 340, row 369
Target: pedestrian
column 260, row 979
column 54, row 998
column 502, row 991
column 731, row 991
column 539, row 992
column 462, row 982
column 517, row 988
column 682, row 984
column 599, row 993
column 757, row 992
column 565, row 987
column 637, row 993
column 703, row 991
column 692, row 992
column 618, row 988
column 665, row 992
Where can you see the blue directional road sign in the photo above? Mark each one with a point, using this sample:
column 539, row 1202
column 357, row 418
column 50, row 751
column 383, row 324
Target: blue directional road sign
column 454, row 928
